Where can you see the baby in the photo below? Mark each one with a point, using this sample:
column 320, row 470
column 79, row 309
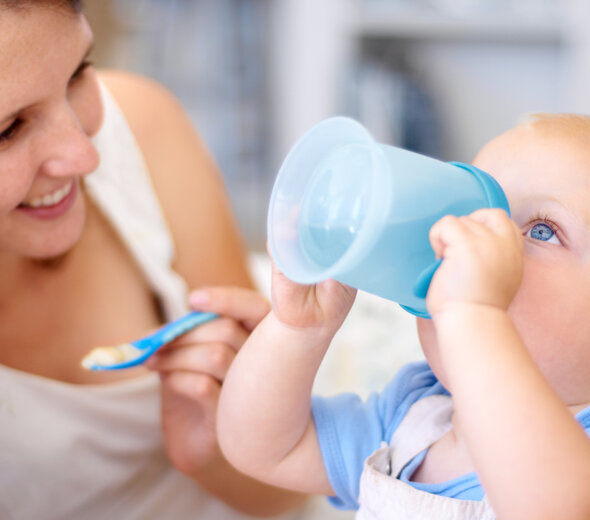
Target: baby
column 495, row 423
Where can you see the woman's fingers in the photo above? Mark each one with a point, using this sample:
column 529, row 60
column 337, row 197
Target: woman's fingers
column 220, row 330
column 243, row 305
column 208, row 359
column 210, row 348
column 196, row 387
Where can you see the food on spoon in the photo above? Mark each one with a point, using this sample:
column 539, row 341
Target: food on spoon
column 105, row 356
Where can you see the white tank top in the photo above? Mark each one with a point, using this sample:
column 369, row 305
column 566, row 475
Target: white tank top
column 96, row 451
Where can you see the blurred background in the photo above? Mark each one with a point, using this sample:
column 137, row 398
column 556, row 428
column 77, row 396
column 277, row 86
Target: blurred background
column 439, row 77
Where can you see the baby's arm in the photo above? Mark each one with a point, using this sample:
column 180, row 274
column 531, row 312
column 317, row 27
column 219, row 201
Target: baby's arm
column 264, row 420
column 531, row 455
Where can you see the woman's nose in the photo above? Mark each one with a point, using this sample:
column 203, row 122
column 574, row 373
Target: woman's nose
column 67, row 149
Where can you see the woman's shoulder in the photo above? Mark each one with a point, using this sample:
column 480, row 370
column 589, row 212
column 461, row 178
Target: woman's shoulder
column 186, row 180
column 129, row 87
column 146, row 104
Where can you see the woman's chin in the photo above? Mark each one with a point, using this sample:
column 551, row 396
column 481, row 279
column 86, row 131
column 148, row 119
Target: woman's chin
column 52, row 246
column 53, row 238
column 57, row 249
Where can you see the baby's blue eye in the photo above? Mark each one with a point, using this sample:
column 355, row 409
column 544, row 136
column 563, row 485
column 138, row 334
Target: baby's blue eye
column 544, row 233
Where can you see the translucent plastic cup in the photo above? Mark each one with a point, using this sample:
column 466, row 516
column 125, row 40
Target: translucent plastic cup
column 346, row 207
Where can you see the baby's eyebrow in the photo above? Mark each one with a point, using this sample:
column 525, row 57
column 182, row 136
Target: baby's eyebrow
column 549, row 205
column 569, row 219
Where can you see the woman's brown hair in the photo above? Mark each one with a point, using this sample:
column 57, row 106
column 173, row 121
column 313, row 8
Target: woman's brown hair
column 73, row 5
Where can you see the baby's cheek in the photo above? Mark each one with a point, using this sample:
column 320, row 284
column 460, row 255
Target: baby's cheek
column 532, row 307
column 549, row 313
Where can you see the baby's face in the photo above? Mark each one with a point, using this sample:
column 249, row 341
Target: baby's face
column 545, row 174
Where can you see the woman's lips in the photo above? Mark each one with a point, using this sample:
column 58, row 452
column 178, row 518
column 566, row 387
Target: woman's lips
column 51, row 205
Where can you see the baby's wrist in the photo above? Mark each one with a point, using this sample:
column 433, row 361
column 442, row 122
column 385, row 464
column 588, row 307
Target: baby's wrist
column 309, row 336
column 455, row 315
column 469, row 335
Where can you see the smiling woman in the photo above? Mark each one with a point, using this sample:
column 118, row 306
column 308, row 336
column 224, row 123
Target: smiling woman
column 42, row 212
column 110, row 210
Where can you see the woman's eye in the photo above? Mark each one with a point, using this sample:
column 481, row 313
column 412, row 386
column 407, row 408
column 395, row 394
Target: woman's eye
column 80, row 70
column 11, row 131
column 543, row 232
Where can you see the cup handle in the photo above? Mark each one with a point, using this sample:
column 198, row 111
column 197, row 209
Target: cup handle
column 422, row 281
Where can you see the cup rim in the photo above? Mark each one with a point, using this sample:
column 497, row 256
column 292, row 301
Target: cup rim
column 362, row 242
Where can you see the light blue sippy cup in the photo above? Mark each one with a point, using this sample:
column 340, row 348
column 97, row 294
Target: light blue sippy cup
column 346, row 207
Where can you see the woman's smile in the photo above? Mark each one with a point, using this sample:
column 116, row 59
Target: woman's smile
column 53, row 204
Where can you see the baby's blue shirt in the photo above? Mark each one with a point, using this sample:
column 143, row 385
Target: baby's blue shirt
column 349, row 430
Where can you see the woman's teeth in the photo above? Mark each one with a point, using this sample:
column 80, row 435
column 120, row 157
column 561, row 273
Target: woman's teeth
column 51, row 199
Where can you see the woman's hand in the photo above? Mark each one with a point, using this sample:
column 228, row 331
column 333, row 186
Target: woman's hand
column 482, row 260
column 192, row 369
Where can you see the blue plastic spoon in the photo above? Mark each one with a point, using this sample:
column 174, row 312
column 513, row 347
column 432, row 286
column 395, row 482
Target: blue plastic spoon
column 135, row 353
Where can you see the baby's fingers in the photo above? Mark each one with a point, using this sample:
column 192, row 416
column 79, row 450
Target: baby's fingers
column 284, row 289
column 448, row 230
column 481, row 224
column 497, row 221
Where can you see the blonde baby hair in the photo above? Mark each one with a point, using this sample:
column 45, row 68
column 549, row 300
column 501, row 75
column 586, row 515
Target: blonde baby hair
column 570, row 124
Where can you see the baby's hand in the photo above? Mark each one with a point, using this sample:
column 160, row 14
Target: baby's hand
column 322, row 306
column 482, row 260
